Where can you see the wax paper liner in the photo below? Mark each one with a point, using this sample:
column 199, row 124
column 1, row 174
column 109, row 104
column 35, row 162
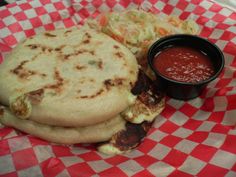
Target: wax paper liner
column 189, row 138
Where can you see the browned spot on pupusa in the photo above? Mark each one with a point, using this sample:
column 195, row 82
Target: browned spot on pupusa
column 33, row 46
column 79, row 52
column 131, row 72
column 116, row 46
column 91, row 80
column 87, row 38
column 39, row 46
column 23, row 73
column 36, row 56
column 113, row 82
column 59, row 49
column 80, row 67
column 86, row 41
column 50, row 35
column 100, row 64
column 99, row 92
column 36, row 96
column 59, row 82
column 67, row 32
column 119, row 54
column 92, row 52
column 87, row 35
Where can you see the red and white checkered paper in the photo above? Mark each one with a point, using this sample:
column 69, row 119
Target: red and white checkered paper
column 193, row 138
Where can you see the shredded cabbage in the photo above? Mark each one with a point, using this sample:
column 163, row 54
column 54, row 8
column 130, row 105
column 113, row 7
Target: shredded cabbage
column 137, row 29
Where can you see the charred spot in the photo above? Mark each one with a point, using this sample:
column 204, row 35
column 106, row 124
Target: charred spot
column 43, row 48
column 19, row 67
column 86, row 41
column 36, row 56
column 67, row 31
column 108, row 83
column 118, row 81
column 21, row 72
column 130, row 137
column 57, row 76
column 131, row 71
column 59, row 82
column 119, row 54
column 92, row 52
column 91, row 80
column 50, row 35
column 113, row 82
column 57, row 49
column 66, row 57
column 93, row 95
column 87, row 35
column 116, row 46
column 85, row 96
column 46, row 49
column 43, row 75
column 100, row 64
column 50, row 49
column 79, row 67
column 81, row 51
column 24, row 73
column 98, row 93
column 32, row 46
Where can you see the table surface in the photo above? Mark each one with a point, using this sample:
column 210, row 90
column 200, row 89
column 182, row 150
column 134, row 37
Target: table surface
column 227, row 3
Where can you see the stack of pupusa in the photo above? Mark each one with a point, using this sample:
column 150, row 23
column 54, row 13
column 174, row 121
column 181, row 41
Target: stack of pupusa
column 77, row 86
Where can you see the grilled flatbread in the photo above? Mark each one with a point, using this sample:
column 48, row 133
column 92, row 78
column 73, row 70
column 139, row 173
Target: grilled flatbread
column 68, row 77
column 65, row 135
column 119, row 134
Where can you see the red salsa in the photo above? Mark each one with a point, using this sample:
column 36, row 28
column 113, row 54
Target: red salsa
column 184, row 64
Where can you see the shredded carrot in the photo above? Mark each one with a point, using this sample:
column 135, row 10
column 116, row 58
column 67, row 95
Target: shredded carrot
column 117, row 38
column 145, row 42
column 142, row 24
column 163, row 31
column 103, row 20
